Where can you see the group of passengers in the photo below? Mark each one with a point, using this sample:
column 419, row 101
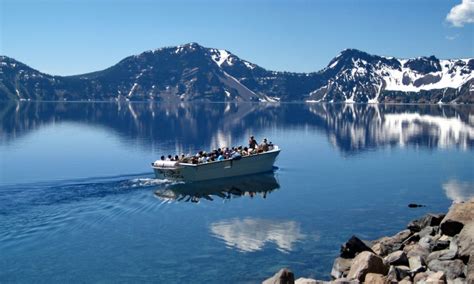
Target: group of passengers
column 225, row 153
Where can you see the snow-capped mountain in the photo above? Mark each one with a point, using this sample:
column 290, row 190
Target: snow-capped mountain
column 192, row 72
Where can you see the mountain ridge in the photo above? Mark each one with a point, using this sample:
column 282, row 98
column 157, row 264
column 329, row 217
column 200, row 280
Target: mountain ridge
column 192, row 72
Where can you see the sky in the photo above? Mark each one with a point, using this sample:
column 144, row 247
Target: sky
column 72, row 36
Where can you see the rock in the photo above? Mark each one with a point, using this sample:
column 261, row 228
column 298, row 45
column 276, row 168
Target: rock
column 284, row 276
column 426, row 231
column 459, row 214
column 366, row 262
column 438, row 277
column 417, row 264
column 451, row 268
column 416, row 250
column 386, row 245
column 465, row 241
column 397, row 273
column 345, row 281
column 406, row 280
column 341, row 267
column 440, row 245
column 427, row 220
column 375, row 278
column 426, row 242
column 445, row 254
column 457, row 281
column 396, row 258
column 470, row 270
column 414, row 205
column 302, row 280
column 421, row 276
column 352, row 247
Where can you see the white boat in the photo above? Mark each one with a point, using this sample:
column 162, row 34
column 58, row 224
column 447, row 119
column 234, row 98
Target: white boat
column 245, row 165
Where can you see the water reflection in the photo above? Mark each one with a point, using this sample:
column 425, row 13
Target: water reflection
column 459, row 191
column 350, row 128
column 250, row 186
column 251, row 234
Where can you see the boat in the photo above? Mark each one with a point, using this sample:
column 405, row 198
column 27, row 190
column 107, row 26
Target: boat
column 226, row 189
column 243, row 165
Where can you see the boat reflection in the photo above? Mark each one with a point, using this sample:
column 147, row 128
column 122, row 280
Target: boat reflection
column 259, row 185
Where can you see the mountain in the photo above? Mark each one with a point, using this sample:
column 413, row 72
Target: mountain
column 192, row 72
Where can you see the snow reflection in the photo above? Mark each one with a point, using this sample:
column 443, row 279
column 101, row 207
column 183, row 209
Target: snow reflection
column 251, row 234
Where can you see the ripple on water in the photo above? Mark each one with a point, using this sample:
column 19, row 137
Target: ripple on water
column 27, row 210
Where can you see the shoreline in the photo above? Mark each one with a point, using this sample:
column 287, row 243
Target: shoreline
column 436, row 248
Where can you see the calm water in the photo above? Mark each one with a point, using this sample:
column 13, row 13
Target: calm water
column 78, row 202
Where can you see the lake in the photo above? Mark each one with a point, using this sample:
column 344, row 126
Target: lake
column 78, row 201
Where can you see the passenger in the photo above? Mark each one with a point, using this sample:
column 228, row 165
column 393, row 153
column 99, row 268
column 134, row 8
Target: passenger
column 270, row 146
column 182, row 158
column 162, row 158
column 176, row 158
column 252, row 142
column 169, row 158
column 264, row 145
column 220, row 158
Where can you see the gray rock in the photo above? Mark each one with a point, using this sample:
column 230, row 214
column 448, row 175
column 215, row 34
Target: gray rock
column 438, row 277
column 387, row 245
column 470, row 270
column 451, row 268
column 416, row 250
column 459, row 214
column 426, row 242
column 465, row 241
column 341, row 267
column 445, row 254
column 427, row 231
column 397, row 273
column 417, row 264
column 457, row 281
column 440, row 245
column 406, row 280
column 421, row 276
column 427, row 220
column 302, row 280
column 284, row 276
column 352, row 247
column 345, row 281
column 366, row 262
column 375, row 278
column 396, row 258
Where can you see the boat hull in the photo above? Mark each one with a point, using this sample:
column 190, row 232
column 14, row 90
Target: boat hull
column 247, row 165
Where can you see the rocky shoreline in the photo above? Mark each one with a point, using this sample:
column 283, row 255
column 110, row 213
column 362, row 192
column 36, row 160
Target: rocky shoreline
column 436, row 248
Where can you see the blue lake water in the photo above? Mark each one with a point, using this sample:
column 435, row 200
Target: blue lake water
column 78, row 201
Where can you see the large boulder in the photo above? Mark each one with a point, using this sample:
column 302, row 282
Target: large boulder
column 421, row 276
column 366, row 262
column 341, row 267
column 451, row 268
column 352, row 247
column 459, row 214
column 427, row 220
column 284, row 276
column 465, row 241
column 396, row 258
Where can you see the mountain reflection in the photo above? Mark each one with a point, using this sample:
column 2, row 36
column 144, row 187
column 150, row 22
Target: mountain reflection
column 351, row 128
column 251, row 186
column 251, row 234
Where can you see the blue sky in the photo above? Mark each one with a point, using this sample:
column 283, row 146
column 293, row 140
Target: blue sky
column 72, row 36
